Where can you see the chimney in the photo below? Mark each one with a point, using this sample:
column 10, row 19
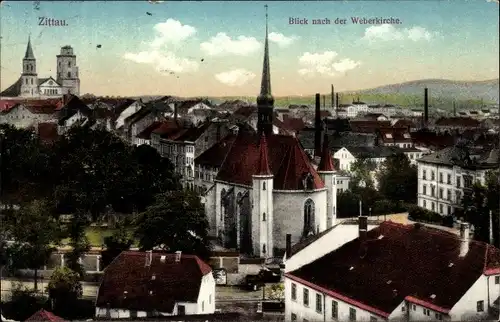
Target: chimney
column 333, row 97
column 337, row 104
column 178, row 255
column 426, row 106
column 324, row 101
column 317, row 127
column 149, row 257
column 288, row 245
column 175, row 112
column 363, row 227
column 464, row 238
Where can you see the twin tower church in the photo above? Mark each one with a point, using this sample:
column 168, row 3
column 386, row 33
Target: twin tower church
column 267, row 186
column 29, row 85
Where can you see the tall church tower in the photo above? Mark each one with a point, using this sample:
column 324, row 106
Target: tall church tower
column 265, row 100
column 29, row 77
column 67, row 71
column 327, row 173
column 262, row 210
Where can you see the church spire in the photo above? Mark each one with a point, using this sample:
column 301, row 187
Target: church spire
column 263, row 157
column 265, row 100
column 29, row 50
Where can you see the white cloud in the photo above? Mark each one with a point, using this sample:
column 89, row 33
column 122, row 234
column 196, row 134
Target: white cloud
column 222, row 44
column 164, row 62
column 171, row 32
column 325, row 64
column 282, row 40
column 388, row 32
column 235, row 77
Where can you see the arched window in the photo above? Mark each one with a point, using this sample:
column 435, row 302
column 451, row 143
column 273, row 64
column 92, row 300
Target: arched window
column 264, row 185
column 222, row 203
column 69, row 64
column 309, row 218
column 264, row 217
column 32, row 81
column 263, row 248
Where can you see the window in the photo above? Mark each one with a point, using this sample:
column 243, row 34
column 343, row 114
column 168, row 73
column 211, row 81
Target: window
column 210, row 299
column 448, row 181
column 403, row 308
column 433, row 206
column 414, row 307
column 497, row 279
column 352, row 314
column 263, row 248
column 181, row 310
column 202, row 306
column 294, row 317
column 441, row 209
column 433, row 191
column 427, row 312
column 433, row 176
column 424, row 203
column 440, row 178
column 69, row 74
column 424, row 174
column 372, row 319
column 306, row 297
column 480, row 306
column 319, row 303
column 424, row 191
column 294, row 292
column 448, row 194
column 441, row 193
column 438, row 316
column 458, row 182
column 308, row 217
column 335, row 310
column 449, row 210
column 263, row 186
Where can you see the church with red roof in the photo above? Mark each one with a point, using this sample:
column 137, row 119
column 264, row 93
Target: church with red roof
column 266, row 186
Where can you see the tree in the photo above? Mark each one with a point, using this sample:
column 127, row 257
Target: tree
column 64, row 288
column 36, row 232
column 398, row 180
column 362, row 170
column 176, row 221
column 276, row 292
column 120, row 241
column 476, row 205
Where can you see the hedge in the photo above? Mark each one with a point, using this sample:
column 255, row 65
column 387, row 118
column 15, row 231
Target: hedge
column 387, row 207
column 419, row 214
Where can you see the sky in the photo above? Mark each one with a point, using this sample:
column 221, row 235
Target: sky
column 215, row 48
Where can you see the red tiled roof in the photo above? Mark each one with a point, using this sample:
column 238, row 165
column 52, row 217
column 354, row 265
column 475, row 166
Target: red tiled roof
column 363, row 126
column 47, row 132
column 263, row 168
column 458, row 122
column 294, row 124
column 287, row 160
column 214, row 156
column 146, row 133
column 129, row 284
column 407, row 261
column 326, row 163
column 43, row 315
column 399, row 135
column 167, row 128
column 404, row 123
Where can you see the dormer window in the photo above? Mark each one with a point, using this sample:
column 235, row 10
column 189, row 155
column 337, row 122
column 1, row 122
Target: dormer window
column 407, row 136
column 388, row 135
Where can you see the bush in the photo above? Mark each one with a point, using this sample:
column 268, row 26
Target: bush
column 386, row 207
column 423, row 215
column 24, row 303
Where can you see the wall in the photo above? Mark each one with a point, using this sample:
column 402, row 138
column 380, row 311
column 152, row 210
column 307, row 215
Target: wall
column 335, row 238
column 206, row 297
column 21, row 117
column 466, row 307
column 289, row 214
column 309, row 312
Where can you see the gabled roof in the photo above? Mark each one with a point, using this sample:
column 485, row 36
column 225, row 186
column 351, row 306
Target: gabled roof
column 214, row 156
column 43, row 80
column 167, row 128
column 287, row 161
column 13, row 90
column 146, row 133
column 73, row 106
column 193, row 133
column 401, row 261
column 462, row 156
column 43, row 315
column 129, row 284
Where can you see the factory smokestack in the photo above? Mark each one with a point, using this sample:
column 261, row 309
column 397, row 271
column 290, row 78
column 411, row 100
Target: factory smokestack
column 337, row 104
column 333, row 97
column 426, row 106
column 317, row 127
